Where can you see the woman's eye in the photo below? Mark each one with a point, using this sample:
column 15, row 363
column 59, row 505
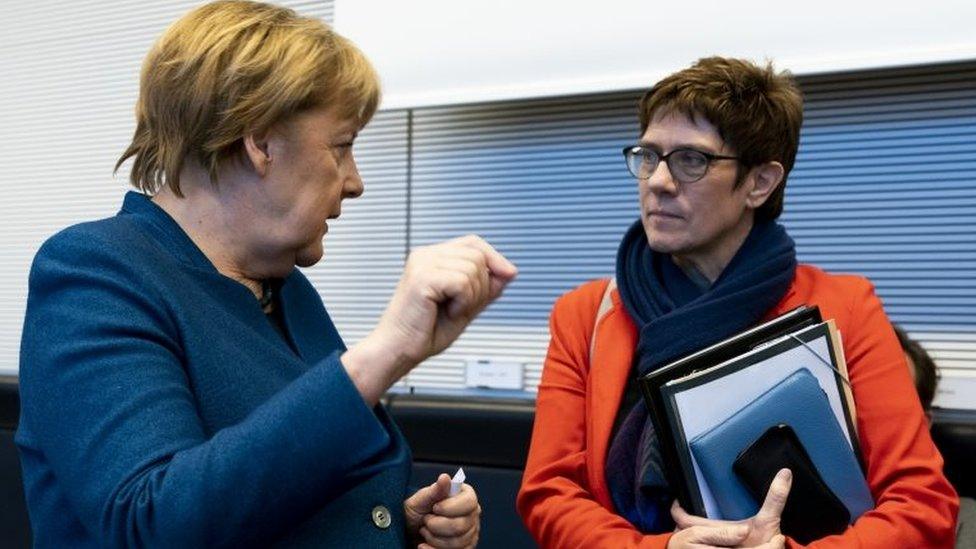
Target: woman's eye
column 342, row 149
column 692, row 159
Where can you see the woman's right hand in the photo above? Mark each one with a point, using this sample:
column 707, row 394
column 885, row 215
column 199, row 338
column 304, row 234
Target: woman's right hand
column 443, row 288
column 708, row 537
column 761, row 530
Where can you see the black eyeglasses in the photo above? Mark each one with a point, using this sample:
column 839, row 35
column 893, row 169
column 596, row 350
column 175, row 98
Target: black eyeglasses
column 685, row 165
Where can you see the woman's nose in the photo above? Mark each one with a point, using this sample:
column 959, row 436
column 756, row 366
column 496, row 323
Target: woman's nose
column 353, row 185
column 661, row 180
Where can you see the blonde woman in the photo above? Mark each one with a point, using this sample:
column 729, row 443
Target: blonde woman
column 182, row 384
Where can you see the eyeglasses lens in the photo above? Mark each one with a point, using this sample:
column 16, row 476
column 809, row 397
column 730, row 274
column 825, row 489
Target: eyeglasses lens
column 642, row 162
column 687, row 165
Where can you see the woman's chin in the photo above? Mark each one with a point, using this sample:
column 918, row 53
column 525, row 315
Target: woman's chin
column 307, row 261
column 310, row 255
column 663, row 243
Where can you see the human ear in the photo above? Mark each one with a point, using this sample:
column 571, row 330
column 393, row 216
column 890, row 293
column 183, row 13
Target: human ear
column 258, row 151
column 763, row 180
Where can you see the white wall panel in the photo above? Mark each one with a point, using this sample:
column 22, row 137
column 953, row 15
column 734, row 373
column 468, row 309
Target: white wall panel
column 69, row 85
column 443, row 52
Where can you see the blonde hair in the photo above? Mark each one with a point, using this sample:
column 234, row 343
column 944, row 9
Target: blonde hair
column 231, row 68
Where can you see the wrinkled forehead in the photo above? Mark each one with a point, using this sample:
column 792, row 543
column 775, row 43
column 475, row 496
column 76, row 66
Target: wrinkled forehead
column 321, row 121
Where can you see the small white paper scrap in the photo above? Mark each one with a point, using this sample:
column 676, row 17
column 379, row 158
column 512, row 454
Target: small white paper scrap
column 456, row 482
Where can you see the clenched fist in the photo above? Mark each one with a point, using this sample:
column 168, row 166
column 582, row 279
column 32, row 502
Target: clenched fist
column 436, row 520
column 443, row 288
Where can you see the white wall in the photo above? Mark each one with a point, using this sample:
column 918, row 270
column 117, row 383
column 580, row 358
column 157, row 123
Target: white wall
column 435, row 52
column 69, row 78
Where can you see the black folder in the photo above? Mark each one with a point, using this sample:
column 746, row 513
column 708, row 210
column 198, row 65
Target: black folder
column 718, row 353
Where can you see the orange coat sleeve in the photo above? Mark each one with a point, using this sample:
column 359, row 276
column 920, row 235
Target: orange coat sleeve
column 915, row 506
column 555, row 502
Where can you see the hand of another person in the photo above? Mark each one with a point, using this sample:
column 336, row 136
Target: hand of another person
column 443, row 288
column 442, row 521
column 761, row 530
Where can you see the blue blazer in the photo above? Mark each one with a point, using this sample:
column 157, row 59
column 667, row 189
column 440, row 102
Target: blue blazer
column 161, row 408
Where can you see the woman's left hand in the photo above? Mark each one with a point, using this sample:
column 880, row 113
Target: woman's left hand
column 442, row 521
column 764, row 526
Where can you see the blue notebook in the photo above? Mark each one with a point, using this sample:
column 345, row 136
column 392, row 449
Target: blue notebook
column 800, row 402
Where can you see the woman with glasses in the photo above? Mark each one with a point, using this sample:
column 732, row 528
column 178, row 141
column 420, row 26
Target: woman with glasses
column 182, row 384
column 706, row 260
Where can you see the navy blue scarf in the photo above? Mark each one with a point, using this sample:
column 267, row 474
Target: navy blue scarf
column 675, row 318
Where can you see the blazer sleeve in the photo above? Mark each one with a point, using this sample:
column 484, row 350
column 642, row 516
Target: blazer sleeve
column 915, row 506
column 108, row 406
column 554, row 501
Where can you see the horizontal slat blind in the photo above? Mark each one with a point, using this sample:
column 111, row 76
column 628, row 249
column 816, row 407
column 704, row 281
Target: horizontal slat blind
column 883, row 187
column 365, row 248
column 542, row 181
column 69, row 85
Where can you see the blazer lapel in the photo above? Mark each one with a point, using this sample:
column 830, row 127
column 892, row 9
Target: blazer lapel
column 610, row 364
column 311, row 330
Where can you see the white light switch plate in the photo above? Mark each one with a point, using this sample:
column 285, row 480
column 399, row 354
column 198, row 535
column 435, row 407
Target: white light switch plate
column 494, row 373
column 957, row 391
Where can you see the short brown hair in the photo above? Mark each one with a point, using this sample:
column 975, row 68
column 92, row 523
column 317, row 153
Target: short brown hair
column 230, row 68
column 756, row 110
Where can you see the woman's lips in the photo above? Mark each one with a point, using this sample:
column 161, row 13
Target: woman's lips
column 330, row 218
column 663, row 214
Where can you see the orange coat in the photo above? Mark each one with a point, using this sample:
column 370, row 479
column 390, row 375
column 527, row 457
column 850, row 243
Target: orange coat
column 564, row 499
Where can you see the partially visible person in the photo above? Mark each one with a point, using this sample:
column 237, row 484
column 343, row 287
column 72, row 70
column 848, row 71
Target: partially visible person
column 182, row 384
column 707, row 259
column 925, row 375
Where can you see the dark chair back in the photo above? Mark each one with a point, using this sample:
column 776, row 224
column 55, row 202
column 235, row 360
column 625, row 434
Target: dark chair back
column 14, row 525
column 489, row 437
column 954, row 432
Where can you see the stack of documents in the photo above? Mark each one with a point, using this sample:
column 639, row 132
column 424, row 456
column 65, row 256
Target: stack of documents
column 731, row 415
